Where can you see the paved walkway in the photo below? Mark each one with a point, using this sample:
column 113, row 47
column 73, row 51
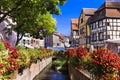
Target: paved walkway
column 49, row 74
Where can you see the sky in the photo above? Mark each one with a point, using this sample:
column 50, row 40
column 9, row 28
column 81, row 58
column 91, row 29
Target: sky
column 72, row 9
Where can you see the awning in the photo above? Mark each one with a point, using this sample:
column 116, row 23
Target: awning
column 117, row 41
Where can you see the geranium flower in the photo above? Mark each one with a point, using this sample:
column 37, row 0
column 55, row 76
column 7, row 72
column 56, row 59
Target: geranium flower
column 105, row 63
column 71, row 52
column 82, row 52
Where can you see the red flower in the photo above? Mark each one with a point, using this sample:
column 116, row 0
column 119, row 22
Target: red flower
column 71, row 51
column 105, row 61
column 7, row 45
column 82, row 52
column 1, row 65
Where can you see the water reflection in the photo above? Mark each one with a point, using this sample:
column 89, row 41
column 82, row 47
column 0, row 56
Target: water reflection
column 57, row 76
column 50, row 74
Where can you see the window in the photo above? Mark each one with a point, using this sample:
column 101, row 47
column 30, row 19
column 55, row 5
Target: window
column 28, row 42
column 104, row 33
column 108, row 36
column 111, row 37
column 75, row 33
column 118, row 28
column 101, row 36
column 94, row 37
column 81, row 30
column 58, row 44
column 115, row 28
column 117, row 36
column 108, row 28
column 107, row 24
column 114, row 32
column 82, row 20
column 23, row 41
column 118, row 24
column 114, row 24
column 114, row 20
column 100, row 23
column 111, row 24
column 91, row 26
column 104, row 36
column 110, row 32
column 118, row 32
column 118, row 20
column 94, row 25
column 88, row 40
column 114, row 37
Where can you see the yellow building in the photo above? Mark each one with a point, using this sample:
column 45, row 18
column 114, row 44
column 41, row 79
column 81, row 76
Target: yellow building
column 84, row 29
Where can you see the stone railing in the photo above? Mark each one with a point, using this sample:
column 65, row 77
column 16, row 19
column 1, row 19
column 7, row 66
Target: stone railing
column 35, row 68
column 76, row 74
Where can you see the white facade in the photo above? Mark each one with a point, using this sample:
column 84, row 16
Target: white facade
column 54, row 40
column 57, row 42
column 31, row 42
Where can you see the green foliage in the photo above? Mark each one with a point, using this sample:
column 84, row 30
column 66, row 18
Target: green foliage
column 2, row 47
column 24, row 58
column 26, row 14
column 59, row 63
column 74, row 61
column 46, row 25
column 3, row 51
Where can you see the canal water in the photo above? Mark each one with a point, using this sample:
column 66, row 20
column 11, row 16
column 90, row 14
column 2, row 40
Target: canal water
column 50, row 74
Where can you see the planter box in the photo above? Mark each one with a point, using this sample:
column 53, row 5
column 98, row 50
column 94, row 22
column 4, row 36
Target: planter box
column 35, row 68
column 76, row 74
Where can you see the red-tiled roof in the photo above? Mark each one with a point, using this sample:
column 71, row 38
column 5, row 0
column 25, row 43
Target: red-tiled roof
column 113, row 4
column 74, row 24
column 109, row 5
column 89, row 11
column 108, row 9
column 75, row 20
column 112, row 13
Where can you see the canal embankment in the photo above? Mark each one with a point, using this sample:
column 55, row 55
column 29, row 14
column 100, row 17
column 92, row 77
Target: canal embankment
column 57, row 70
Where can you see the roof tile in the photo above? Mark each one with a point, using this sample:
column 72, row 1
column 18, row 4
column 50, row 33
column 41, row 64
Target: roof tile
column 74, row 24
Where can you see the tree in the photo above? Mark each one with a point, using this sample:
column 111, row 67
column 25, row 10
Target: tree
column 46, row 25
column 27, row 13
column 7, row 7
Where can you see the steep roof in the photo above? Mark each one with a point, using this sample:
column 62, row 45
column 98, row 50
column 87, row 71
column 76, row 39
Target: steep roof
column 75, row 20
column 113, row 13
column 108, row 9
column 89, row 11
column 113, row 9
column 74, row 24
column 109, row 5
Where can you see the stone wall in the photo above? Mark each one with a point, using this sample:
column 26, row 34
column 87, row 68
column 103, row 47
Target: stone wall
column 76, row 74
column 35, row 68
